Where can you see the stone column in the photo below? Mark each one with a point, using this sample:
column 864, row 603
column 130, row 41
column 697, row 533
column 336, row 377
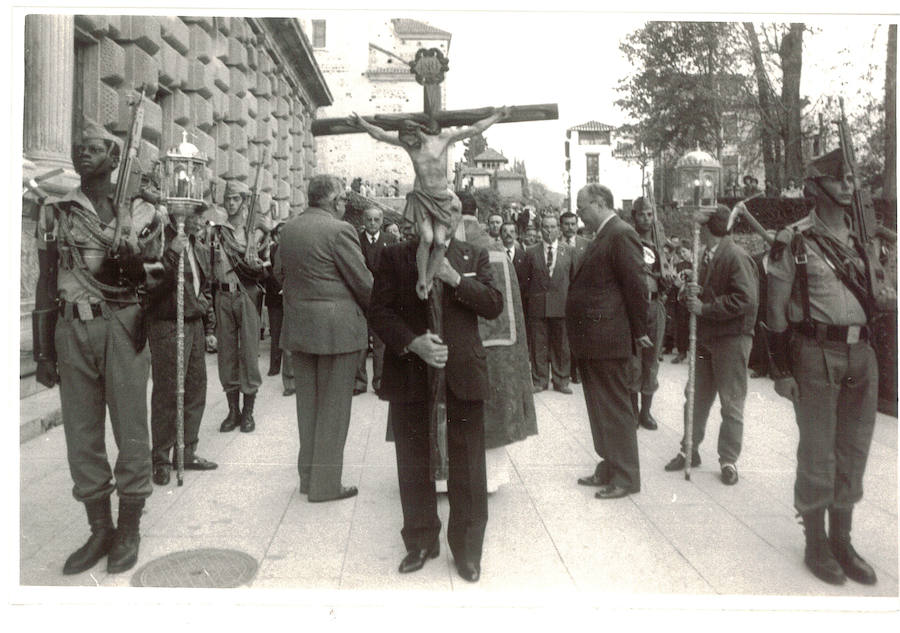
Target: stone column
column 49, row 73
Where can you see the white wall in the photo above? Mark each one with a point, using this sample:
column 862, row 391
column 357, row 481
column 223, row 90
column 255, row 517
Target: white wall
column 622, row 177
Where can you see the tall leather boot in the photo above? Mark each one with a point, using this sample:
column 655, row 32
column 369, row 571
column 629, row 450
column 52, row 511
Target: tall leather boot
column 839, row 523
column 247, row 423
column 233, row 419
column 101, row 539
column 645, row 419
column 124, row 552
column 818, row 556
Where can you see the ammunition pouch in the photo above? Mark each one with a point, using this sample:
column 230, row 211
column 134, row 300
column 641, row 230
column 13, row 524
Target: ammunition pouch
column 778, row 346
column 43, row 330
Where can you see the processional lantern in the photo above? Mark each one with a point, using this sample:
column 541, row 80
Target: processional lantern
column 697, row 178
column 696, row 189
column 184, row 178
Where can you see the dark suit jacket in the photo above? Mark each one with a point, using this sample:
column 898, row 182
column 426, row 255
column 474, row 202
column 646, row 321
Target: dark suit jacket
column 521, row 267
column 730, row 293
column 607, row 306
column 326, row 285
column 372, row 252
column 581, row 244
column 397, row 316
column 547, row 295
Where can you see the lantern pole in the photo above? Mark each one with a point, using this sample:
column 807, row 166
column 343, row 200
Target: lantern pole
column 692, row 344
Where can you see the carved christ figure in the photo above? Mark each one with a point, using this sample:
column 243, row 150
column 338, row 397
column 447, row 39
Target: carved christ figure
column 431, row 205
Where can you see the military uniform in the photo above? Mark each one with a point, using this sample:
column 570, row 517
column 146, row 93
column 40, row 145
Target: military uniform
column 99, row 351
column 237, row 299
column 826, row 349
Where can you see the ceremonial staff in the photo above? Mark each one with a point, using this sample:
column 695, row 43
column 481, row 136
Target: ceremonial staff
column 183, row 186
column 697, row 175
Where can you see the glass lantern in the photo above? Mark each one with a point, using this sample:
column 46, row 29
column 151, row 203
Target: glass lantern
column 184, row 178
column 697, row 178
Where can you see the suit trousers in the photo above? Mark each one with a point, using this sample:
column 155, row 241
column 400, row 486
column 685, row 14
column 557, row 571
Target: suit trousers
column 276, row 315
column 162, row 399
column 324, row 396
column 646, row 362
column 549, row 346
column 362, row 378
column 237, row 333
column 287, row 370
column 836, row 416
column 721, row 367
column 98, row 368
column 466, row 485
column 612, row 419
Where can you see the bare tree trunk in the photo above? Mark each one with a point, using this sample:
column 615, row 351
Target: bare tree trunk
column 791, row 53
column 890, row 117
column 767, row 116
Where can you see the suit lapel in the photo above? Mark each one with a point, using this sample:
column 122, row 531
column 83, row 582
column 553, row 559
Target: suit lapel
column 592, row 247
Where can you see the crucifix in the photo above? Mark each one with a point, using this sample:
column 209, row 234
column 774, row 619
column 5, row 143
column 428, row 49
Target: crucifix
column 421, row 136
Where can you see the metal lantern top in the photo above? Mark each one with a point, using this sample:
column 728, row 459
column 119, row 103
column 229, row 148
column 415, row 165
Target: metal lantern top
column 184, row 174
column 697, row 180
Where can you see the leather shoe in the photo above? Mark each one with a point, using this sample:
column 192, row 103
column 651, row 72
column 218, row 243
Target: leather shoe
column 612, row 491
column 729, row 474
column 469, row 571
column 593, row 480
column 415, row 560
column 198, row 463
column 679, row 359
column 678, row 462
column 356, row 392
column 162, row 474
column 345, row 493
column 562, row 389
column 648, row 422
column 273, row 371
column 288, row 392
column 537, row 389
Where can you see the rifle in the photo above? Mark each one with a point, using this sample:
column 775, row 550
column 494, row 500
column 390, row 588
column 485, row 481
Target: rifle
column 655, row 237
column 862, row 213
column 124, row 192
column 252, row 203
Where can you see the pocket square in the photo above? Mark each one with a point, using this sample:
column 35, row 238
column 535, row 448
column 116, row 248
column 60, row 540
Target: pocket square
column 469, row 274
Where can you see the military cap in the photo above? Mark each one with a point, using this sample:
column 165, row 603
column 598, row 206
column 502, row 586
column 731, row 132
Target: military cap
column 236, row 186
column 826, row 165
column 638, row 204
column 95, row 131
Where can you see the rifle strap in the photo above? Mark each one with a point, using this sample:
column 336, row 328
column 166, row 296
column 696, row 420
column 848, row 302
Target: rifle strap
column 860, row 289
column 798, row 250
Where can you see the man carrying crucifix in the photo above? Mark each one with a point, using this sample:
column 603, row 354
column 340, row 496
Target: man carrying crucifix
column 431, row 205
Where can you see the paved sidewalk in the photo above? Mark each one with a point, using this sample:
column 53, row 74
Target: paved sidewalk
column 546, row 536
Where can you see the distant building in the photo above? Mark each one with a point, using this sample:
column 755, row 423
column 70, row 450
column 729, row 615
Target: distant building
column 365, row 67
column 489, row 172
column 596, row 153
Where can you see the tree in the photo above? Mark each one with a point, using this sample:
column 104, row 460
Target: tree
column 474, row 145
column 890, row 117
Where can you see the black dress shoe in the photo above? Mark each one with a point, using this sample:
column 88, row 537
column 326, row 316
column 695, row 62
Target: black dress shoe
column 415, row 560
column 593, row 480
column 538, row 389
column 356, row 392
column 648, row 422
column 288, row 392
column 161, row 474
column 198, row 463
column 612, row 491
column 345, row 493
column 274, row 371
column 562, row 389
column 729, row 474
column 469, row 571
column 678, row 462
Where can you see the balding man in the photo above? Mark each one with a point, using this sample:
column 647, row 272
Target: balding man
column 372, row 241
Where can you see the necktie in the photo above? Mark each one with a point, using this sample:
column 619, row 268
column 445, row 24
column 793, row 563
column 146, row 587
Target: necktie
column 372, row 240
column 509, row 254
column 550, row 257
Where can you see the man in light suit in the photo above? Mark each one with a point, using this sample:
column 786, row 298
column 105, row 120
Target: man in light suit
column 326, row 288
column 549, row 264
column 606, row 314
column 372, row 240
column 400, row 318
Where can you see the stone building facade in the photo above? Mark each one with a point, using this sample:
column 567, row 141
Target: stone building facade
column 363, row 62
column 241, row 87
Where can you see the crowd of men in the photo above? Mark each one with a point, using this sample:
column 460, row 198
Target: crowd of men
column 595, row 309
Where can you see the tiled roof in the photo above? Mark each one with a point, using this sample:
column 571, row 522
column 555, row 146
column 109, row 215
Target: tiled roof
column 491, row 154
column 403, row 26
column 592, row 126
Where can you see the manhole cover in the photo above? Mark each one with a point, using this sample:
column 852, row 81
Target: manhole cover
column 201, row 568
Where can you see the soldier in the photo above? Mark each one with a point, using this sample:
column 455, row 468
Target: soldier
column 89, row 296
column 819, row 303
column 237, row 295
column 646, row 361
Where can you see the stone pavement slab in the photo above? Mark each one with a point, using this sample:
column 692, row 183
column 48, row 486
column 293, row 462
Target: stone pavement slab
column 547, row 538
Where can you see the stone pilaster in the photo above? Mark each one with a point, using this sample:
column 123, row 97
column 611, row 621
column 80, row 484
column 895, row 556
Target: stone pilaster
column 49, row 72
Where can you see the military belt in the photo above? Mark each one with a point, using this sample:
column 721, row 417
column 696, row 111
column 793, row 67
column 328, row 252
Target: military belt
column 836, row 333
column 85, row 311
column 227, row 287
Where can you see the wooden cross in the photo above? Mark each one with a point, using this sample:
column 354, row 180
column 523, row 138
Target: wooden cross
column 429, row 67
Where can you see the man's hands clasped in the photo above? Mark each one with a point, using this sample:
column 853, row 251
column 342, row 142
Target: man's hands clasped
column 430, row 348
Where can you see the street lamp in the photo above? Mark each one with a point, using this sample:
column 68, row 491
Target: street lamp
column 183, row 184
column 697, row 183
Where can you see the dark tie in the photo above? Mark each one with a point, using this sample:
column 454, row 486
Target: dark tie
column 549, row 257
column 372, row 240
column 509, row 254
